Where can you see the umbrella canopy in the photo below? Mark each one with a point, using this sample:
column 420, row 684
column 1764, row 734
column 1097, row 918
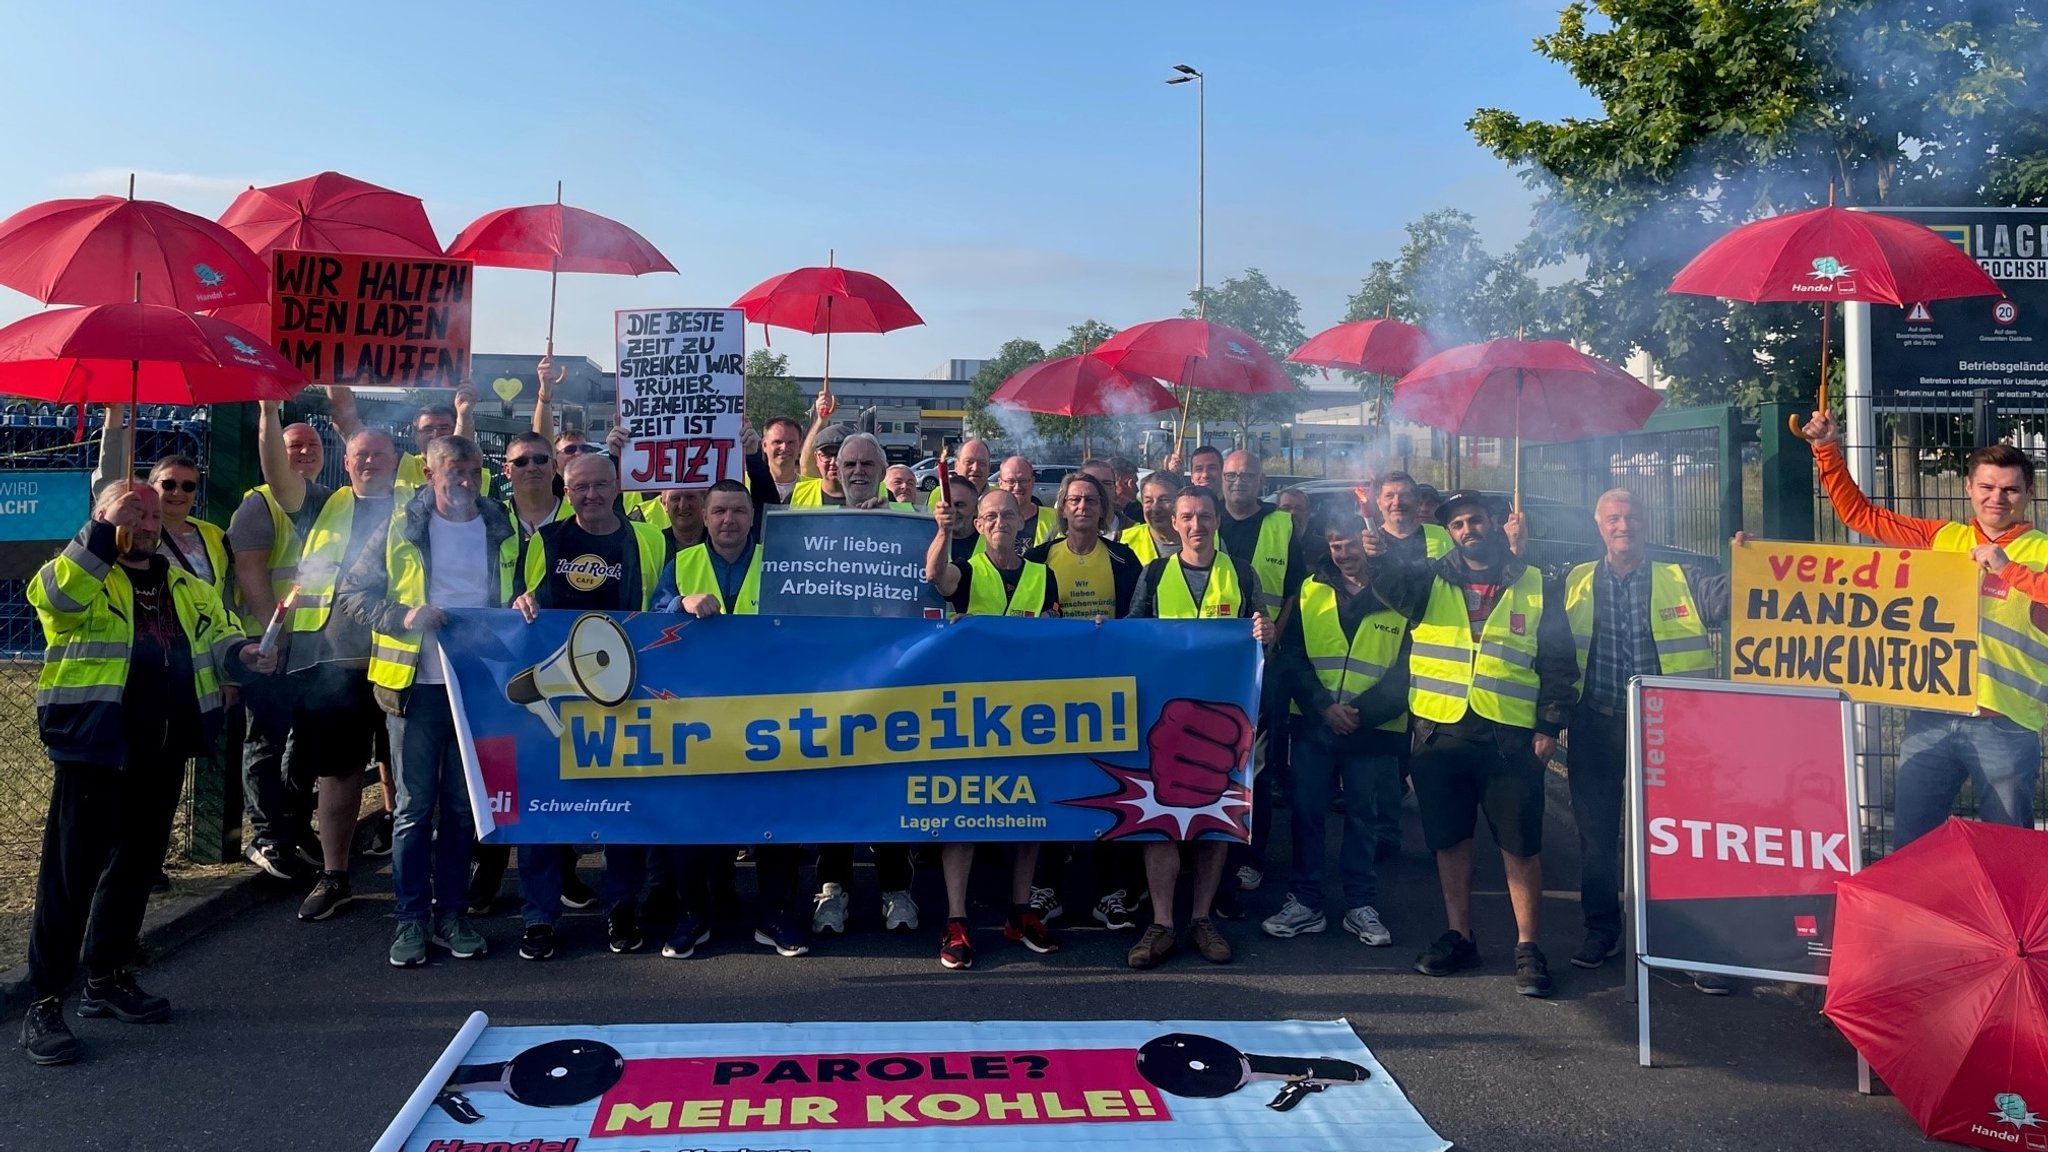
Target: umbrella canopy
column 828, row 300
column 1081, row 386
column 1826, row 254
column 1541, row 390
column 332, row 213
column 90, row 252
column 140, row 353
column 1940, row 979
column 557, row 238
column 1385, row 347
column 1196, row 354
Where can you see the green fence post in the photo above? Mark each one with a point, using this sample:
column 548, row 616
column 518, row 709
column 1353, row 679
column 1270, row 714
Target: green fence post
column 214, row 822
column 1787, row 474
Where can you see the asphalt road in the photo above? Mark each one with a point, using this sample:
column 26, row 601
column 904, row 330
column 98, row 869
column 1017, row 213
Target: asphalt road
column 291, row 1035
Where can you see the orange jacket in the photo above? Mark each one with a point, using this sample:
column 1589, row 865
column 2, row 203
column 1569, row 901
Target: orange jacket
column 1888, row 527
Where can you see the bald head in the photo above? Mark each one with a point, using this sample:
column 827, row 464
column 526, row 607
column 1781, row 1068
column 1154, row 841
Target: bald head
column 1016, row 478
column 1243, row 477
column 972, row 462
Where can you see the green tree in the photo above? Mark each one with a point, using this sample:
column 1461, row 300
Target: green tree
column 1269, row 314
column 771, row 390
column 982, row 420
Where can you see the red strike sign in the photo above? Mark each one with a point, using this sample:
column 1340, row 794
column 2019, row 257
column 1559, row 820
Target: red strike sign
column 1743, row 795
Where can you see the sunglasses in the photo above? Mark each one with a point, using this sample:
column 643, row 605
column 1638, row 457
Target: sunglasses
column 178, row 485
column 529, row 461
column 575, row 449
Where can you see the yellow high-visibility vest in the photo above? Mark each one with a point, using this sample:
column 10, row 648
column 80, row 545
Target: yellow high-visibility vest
column 1348, row 665
column 1681, row 636
column 395, row 656
column 985, row 594
column 2012, row 654
column 1495, row 677
column 695, row 576
column 1221, row 600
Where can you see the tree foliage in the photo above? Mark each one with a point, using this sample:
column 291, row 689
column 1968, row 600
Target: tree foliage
column 771, row 390
column 991, row 423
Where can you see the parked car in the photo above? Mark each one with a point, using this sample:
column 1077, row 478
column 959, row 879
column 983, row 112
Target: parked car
column 927, row 473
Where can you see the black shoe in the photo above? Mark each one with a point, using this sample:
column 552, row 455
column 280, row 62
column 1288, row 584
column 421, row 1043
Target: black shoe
column 373, row 835
column 1532, row 972
column 537, row 942
column 782, row 934
column 576, row 895
column 121, row 998
column 275, row 861
column 479, row 903
column 329, row 893
column 1450, row 953
column 45, row 1035
column 622, row 930
column 689, row 933
column 1598, row 949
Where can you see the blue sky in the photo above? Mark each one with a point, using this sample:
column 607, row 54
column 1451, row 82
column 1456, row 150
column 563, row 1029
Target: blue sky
column 1012, row 169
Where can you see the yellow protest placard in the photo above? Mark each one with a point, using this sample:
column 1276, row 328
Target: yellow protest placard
column 1885, row 625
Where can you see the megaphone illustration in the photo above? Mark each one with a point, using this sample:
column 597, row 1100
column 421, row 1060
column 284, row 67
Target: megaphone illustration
column 1203, row 1068
column 596, row 663
column 557, row 1074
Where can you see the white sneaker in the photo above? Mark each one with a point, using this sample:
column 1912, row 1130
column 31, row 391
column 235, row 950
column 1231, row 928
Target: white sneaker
column 899, row 911
column 1249, row 878
column 1046, row 903
column 1293, row 919
column 1115, row 911
column 1364, row 923
column 828, row 910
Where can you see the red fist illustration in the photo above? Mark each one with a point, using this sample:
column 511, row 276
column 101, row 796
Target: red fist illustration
column 1195, row 747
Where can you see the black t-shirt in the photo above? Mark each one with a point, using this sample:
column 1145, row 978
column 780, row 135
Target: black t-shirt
column 159, row 711
column 959, row 598
column 963, row 549
column 589, row 573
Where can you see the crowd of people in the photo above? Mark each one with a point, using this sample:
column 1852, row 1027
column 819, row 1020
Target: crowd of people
column 1408, row 644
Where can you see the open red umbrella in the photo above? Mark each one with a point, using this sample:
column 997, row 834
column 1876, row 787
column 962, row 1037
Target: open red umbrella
column 325, row 213
column 140, row 353
column 829, row 299
column 1822, row 255
column 556, row 238
column 1384, row 347
column 1541, row 390
column 1940, row 979
column 1195, row 354
column 90, row 252
column 1081, row 387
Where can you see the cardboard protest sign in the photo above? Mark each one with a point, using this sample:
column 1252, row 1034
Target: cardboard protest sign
column 682, row 396
column 1884, row 625
column 372, row 321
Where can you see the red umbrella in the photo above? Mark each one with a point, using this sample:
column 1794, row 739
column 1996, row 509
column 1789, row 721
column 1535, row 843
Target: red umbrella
column 1195, row 354
column 90, row 252
column 1081, row 386
column 1386, row 347
column 1827, row 254
column 557, row 238
column 332, row 213
column 1940, row 980
column 829, row 299
column 1541, row 390
column 140, row 353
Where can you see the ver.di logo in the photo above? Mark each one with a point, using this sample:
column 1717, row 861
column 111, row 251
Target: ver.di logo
column 2011, row 1109
column 208, row 276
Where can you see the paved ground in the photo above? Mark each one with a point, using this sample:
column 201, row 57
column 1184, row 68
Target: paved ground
column 291, row 1035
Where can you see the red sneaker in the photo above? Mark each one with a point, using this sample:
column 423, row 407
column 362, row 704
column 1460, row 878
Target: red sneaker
column 1031, row 931
column 956, row 950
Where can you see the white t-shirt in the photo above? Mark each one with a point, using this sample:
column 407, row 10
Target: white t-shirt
column 458, row 576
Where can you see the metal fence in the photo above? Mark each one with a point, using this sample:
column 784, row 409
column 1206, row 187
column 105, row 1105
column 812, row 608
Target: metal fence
column 1685, row 469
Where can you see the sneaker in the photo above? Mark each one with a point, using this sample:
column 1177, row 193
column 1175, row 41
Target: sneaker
column 479, row 903
column 1114, row 911
column 622, row 930
column 1597, row 950
column 409, row 944
column 780, row 933
column 124, row 1000
column 329, row 893
column 682, row 943
column 899, row 911
column 537, row 942
column 1046, row 902
column 1209, row 941
column 461, row 940
column 1249, row 878
column 956, row 949
column 1152, row 948
column 1293, row 919
column 45, row 1035
column 1364, row 923
column 1451, row 953
column 276, row 861
column 1030, row 931
column 576, row 895
column 1709, row 984
column 373, row 835
column 1532, row 971
column 828, row 910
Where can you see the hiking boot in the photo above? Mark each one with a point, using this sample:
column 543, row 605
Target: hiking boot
column 1450, row 953
column 1152, row 948
column 276, row 861
column 828, row 910
column 682, row 943
column 1532, row 972
column 1046, row 902
column 1114, row 911
column 1293, row 919
column 46, row 1037
column 1028, row 929
column 576, row 895
column 956, row 948
column 622, row 930
column 537, row 942
column 1209, row 941
column 1597, row 950
column 461, row 940
column 1364, row 923
column 408, row 944
column 329, row 893
column 1249, row 878
column 899, row 911
column 124, row 1000
column 1709, row 984
column 781, row 933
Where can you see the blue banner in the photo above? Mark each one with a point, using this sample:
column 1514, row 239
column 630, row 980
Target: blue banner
column 45, row 505
column 657, row 729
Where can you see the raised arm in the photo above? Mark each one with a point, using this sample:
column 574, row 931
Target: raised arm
column 465, row 410
column 114, row 463
column 821, row 414
column 546, row 376
column 286, row 485
column 1857, row 513
column 938, row 559
column 341, row 408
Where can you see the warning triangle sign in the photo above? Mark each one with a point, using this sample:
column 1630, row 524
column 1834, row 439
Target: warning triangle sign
column 1919, row 315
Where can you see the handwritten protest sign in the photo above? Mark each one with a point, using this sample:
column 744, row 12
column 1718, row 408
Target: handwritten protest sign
column 372, row 321
column 682, row 396
column 1885, row 625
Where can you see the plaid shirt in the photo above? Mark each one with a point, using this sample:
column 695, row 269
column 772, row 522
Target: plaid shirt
column 1623, row 645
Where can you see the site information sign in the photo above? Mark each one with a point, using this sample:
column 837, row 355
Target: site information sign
column 1933, row 356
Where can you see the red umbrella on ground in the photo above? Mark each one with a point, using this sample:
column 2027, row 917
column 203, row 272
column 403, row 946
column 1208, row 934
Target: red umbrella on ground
column 556, row 238
column 1195, row 354
column 1541, row 390
column 829, row 299
column 1827, row 254
column 1940, row 980
column 325, row 213
column 1384, row 347
column 90, row 252
column 1081, row 386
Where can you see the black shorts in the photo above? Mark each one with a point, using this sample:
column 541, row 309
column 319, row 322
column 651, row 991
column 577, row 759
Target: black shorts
column 335, row 721
column 1457, row 778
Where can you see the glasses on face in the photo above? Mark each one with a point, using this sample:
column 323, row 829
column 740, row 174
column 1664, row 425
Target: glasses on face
column 529, row 461
column 999, row 518
column 589, row 490
column 1239, row 477
column 178, row 485
column 575, row 449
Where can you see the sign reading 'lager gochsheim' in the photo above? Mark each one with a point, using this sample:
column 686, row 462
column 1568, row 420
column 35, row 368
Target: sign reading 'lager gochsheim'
column 1932, row 355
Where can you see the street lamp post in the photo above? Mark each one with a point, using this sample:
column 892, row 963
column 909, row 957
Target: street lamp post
column 1201, row 183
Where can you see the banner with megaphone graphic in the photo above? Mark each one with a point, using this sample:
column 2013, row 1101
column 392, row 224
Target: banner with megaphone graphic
column 650, row 728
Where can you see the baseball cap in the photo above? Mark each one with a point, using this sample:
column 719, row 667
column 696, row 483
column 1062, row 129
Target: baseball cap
column 829, row 438
column 1455, row 501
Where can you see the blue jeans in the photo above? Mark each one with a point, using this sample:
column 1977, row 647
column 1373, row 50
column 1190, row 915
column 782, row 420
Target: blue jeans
column 1317, row 767
column 2001, row 760
column 540, row 884
column 431, row 832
